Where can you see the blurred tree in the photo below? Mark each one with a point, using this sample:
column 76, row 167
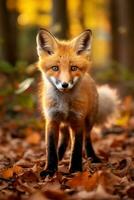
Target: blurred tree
column 81, row 14
column 8, row 32
column 122, row 23
column 131, row 33
column 60, row 25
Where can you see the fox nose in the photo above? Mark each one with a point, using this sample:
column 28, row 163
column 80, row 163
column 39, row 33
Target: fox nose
column 64, row 85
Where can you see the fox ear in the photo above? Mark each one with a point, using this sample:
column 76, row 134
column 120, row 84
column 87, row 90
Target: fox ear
column 82, row 43
column 46, row 42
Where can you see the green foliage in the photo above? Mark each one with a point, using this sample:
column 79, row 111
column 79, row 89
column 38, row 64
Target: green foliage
column 6, row 67
column 115, row 73
column 16, row 86
column 24, row 100
column 6, row 91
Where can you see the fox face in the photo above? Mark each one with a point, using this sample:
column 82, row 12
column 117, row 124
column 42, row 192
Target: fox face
column 63, row 64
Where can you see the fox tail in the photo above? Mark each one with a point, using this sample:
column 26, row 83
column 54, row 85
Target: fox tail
column 108, row 103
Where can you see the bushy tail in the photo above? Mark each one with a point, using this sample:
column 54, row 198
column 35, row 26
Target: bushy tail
column 108, row 103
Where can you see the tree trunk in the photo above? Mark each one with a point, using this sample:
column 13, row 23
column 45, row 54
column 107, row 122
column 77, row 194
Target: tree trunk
column 60, row 19
column 122, row 23
column 131, row 34
column 8, row 32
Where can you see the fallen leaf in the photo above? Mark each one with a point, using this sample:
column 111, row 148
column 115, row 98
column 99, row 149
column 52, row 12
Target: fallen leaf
column 7, row 173
column 17, row 169
column 29, row 177
column 98, row 194
column 56, row 195
column 123, row 167
column 130, row 191
column 33, row 138
column 84, row 180
column 38, row 196
column 108, row 180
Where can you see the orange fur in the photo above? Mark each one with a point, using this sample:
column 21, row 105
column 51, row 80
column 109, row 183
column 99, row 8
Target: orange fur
column 69, row 96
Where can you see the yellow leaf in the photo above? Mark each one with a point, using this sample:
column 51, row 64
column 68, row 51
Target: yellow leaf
column 123, row 121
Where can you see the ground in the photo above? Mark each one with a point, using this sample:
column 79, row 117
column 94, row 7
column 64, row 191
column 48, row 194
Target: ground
column 22, row 158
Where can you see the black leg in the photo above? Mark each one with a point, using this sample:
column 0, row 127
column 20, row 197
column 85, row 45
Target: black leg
column 76, row 157
column 51, row 150
column 88, row 144
column 64, row 131
column 90, row 151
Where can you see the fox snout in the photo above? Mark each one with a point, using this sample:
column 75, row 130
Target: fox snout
column 65, row 85
column 62, row 85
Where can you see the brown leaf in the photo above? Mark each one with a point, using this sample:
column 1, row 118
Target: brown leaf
column 118, row 140
column 33, row 138
column 127, row 103
column 29, row 177
column 131, row 174
column 38, row 196
column 104, row 154
column 130, row 191
column 3, row 185
column 7, row 173
column 17, row 169
column 123, row 167
column 23, row 187
column 84, row 180
column 56, row 195
column 98, row 194
column 24, row 163
column 108, row 180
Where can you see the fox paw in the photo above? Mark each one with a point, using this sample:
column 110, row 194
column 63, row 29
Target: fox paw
column 96, row 160
column 47, row 172
column 74, row 169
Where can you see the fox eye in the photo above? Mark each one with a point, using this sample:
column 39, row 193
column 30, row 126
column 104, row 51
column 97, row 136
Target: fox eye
column 74, row 68
column 55, row 68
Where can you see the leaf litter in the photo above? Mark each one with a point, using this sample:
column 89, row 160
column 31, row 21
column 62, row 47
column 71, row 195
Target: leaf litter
column 22, row 158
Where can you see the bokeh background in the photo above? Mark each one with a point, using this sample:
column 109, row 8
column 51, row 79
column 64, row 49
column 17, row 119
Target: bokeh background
column 22, row 130
column 112, row 23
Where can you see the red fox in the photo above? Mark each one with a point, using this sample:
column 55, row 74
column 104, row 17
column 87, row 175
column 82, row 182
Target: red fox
column 69, row 98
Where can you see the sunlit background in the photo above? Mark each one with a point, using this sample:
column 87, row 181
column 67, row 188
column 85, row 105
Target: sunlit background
column 20, row 20
column 112, row 23
column 22, row 127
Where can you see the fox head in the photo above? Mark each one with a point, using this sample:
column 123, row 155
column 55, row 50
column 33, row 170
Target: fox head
column 62, row 63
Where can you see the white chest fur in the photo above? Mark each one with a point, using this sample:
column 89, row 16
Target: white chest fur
column 61, row 108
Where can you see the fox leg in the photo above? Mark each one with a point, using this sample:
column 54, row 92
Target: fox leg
column 76, row 151
column 88, row 144
column 52, row 131
column 64, row 131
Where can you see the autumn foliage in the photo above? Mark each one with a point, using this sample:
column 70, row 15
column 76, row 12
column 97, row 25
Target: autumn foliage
column 22, row 132
column 22, row 158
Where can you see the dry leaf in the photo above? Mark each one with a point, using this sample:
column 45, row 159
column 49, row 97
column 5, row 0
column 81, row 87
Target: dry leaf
column 33, row 138
column 98, row 194
column 7, row 173
column 130, row 191
column 38, row 196
column 56, row 195
column 29, row 177
column 17, row 169
column 108, row 180
column 84, row 180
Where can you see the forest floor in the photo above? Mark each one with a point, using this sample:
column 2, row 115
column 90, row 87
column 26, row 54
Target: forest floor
column 22, row 158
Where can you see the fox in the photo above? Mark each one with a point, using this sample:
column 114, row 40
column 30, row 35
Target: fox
column 69, row 99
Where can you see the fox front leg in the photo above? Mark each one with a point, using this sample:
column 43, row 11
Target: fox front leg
column 64, row 139
column 76, row 151
column 52, row 131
